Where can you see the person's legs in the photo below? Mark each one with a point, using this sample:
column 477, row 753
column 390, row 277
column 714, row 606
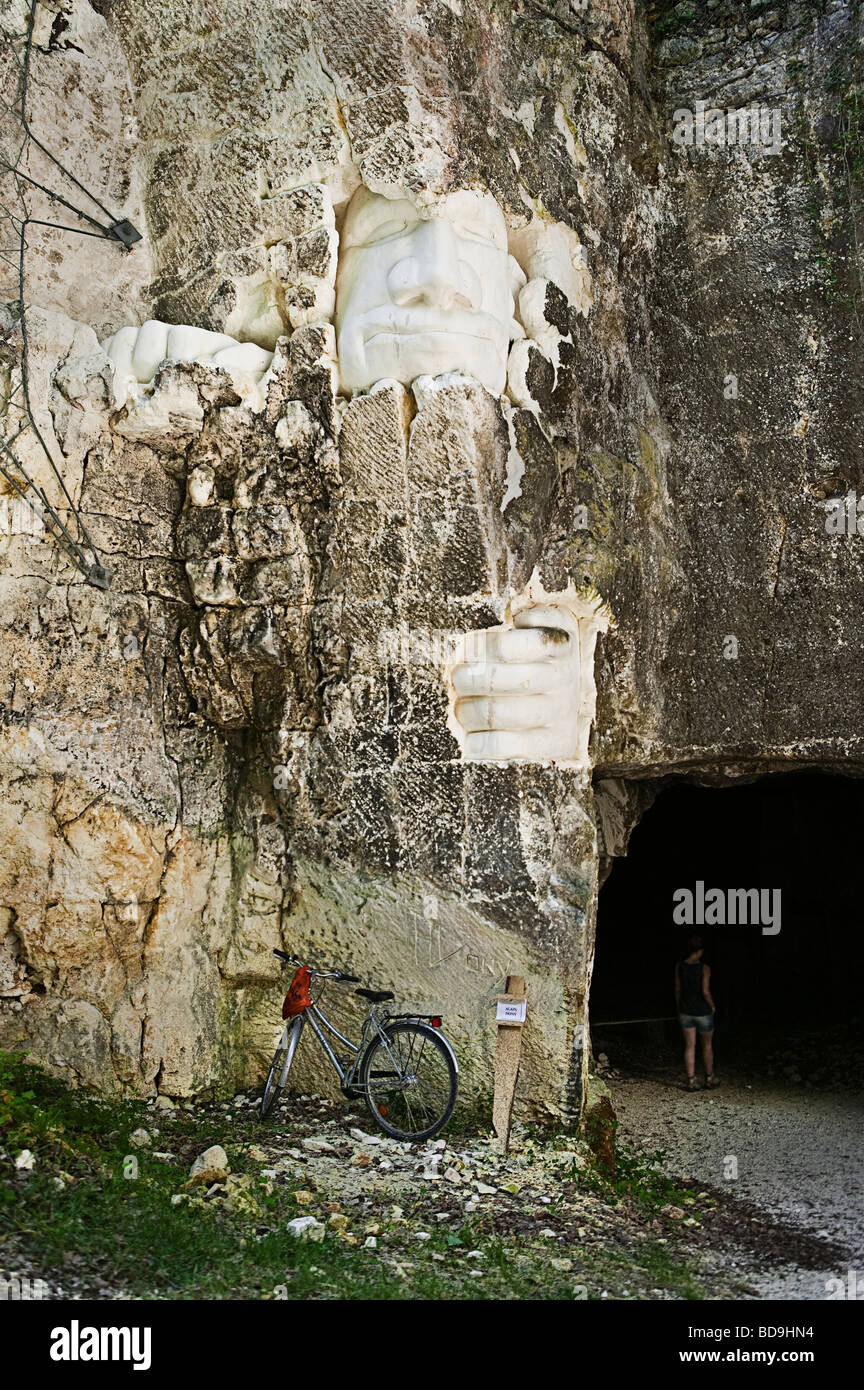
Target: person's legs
column 689, row 1052
column 707, row 1042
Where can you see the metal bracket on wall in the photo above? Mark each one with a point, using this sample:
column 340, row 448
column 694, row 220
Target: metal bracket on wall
column 81, row 551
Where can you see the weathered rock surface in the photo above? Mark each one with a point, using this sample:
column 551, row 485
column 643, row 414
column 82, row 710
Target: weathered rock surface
column 244, row 742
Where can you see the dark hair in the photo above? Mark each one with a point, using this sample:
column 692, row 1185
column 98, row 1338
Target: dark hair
column 695, row 943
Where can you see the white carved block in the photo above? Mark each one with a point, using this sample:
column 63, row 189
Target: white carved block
column 524, row 692
column 421, row 293
column 136, row 354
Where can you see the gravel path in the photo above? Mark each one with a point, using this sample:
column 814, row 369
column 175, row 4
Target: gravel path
column 799, row 1153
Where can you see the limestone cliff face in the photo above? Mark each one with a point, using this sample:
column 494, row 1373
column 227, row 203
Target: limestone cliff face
column 244, row 742
column 753, row 335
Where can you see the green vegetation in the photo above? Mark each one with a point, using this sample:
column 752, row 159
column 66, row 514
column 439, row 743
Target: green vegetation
column 82, row 1219
column 667, row 20
column 838, row 172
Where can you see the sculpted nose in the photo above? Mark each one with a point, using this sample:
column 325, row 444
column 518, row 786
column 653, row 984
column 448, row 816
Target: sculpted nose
column 433, row 274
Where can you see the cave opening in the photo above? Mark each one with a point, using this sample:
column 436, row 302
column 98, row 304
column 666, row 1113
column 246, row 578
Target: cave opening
column 787, row 986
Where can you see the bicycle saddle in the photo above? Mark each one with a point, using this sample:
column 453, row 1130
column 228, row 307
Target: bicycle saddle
column 377, row 996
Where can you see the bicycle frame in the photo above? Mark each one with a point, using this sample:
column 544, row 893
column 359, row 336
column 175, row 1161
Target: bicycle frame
column 318, row 1021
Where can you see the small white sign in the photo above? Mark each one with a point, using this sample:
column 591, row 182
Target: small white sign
column 511, row 1010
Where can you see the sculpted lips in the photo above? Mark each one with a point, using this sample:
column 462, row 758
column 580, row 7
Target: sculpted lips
column 392, row 322
column 421, row 295
column 417, row 332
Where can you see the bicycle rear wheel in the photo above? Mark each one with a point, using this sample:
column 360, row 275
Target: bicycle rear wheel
column 281, row 1065
column 410, row 1083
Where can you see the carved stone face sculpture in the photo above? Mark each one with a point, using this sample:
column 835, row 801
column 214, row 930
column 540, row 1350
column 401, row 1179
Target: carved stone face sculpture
column 421, row 293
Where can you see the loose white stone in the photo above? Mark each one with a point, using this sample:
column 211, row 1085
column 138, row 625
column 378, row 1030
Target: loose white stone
column 213, row 1160
column 307, row 1228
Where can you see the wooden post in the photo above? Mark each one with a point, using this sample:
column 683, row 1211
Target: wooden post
column 510, row 1015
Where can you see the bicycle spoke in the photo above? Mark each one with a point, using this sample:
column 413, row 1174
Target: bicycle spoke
column 408, row 1108
column 410, row 1085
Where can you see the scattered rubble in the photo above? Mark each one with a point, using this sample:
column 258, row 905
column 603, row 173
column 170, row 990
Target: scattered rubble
column 210, row 1166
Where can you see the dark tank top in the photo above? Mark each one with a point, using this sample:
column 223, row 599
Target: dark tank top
column 692, row 999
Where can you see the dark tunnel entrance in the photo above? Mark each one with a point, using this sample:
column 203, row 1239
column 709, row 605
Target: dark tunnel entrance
column 799, row 835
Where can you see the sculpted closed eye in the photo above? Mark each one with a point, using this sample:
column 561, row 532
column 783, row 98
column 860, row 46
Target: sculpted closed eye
column 476, row 233
column 394, row 228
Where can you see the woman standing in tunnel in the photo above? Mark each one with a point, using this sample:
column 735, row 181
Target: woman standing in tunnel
column 695, row 1006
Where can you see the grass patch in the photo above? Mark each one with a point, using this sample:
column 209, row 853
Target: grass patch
column 639, row 1179
column 95, row 1216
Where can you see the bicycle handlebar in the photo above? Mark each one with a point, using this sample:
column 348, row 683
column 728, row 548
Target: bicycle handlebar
column 319, row 974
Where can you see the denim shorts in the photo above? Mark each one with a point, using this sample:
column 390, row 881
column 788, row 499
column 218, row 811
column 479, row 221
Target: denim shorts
column 704, row 1022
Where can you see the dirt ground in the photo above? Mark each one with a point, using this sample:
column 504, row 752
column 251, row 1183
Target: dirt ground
column 787, row 1149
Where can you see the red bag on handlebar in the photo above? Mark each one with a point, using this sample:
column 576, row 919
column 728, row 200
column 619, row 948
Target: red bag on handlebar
column 297, row 999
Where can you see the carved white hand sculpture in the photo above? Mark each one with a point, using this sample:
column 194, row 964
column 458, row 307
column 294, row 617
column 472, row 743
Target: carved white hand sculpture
column 137, row 353
column 424, row 293
column 518, row 689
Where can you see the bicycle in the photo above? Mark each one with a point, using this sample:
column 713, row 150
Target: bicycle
column 403, row 1065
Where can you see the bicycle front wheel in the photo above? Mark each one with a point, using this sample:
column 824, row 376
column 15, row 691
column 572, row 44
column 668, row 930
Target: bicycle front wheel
column 281, row 1065
column 410, row 1081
